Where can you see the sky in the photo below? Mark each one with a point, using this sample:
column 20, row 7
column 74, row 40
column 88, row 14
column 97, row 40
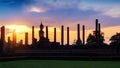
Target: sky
column 22, row 14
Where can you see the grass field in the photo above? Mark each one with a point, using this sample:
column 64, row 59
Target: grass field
column 59, row 64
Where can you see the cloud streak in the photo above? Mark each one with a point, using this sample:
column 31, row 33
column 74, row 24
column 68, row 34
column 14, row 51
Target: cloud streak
column 36, row 9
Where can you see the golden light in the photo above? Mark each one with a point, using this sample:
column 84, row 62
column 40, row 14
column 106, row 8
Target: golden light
column 21, row 29
column 18, row 28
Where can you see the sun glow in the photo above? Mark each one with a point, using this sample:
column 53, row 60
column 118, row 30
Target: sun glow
column 18, row 28
column 21, row 29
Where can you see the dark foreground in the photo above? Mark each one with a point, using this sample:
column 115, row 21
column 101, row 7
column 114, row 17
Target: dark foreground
column 63, row 53
column 84, row 58
column 59, row 64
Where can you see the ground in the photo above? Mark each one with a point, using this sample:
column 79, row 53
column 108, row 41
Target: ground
column 59, row 64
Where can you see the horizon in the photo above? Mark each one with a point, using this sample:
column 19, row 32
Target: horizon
column 20, row 31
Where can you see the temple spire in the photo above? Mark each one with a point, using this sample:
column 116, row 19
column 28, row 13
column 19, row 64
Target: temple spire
column 41, row 26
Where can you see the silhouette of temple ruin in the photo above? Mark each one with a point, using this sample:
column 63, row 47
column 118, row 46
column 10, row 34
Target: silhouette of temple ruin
column 94, row 45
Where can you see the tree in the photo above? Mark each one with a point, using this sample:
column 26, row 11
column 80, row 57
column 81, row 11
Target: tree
column 92, row 40
column 115, row 39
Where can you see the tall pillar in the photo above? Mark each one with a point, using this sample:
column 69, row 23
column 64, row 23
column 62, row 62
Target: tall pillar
column 3, row 35
column 9, row 41
column 96, row 27
column 67, row 35
column 14, row 37
column 62, row 35
column 78, row 32
column 47, row 32
column 83, row 35
column 78, row 42
column 26, row 38
column 55, row 35
column 32, row 34
column 96, row 30
column 99, row 31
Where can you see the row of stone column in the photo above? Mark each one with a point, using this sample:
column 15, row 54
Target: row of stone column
column 14, row 41
column 62, row 34
column 97, row 34
column 78, row 35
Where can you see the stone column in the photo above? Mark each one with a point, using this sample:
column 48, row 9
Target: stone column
column 62, row 35
column 32, row 34
column 26, row 38
column 68, row 36
column 3, row 35
column 55, row 35
column 47, row 32
column 83, row 35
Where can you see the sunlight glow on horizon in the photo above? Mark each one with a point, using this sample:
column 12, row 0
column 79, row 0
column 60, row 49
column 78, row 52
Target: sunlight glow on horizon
column 22, row 14
column 21, row 29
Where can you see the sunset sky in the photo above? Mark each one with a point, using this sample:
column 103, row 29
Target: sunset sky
column 22, row 14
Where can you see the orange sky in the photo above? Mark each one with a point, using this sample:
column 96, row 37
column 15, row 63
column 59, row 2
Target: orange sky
column 54, row 13
column 21, row 29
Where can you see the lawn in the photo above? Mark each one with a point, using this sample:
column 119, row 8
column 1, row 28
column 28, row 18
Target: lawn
column 59, row 64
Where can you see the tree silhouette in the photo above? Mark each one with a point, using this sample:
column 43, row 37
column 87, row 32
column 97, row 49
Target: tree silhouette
column 115, row 39
column 92, row 40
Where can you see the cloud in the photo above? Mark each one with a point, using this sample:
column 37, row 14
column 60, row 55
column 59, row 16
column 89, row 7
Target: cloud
column 36, row 9
column 65, row 12
column 108, row 8
column 113, row 12
column 57, row 3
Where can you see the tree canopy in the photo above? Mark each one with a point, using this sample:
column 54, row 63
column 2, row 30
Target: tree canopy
column 115, row 39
